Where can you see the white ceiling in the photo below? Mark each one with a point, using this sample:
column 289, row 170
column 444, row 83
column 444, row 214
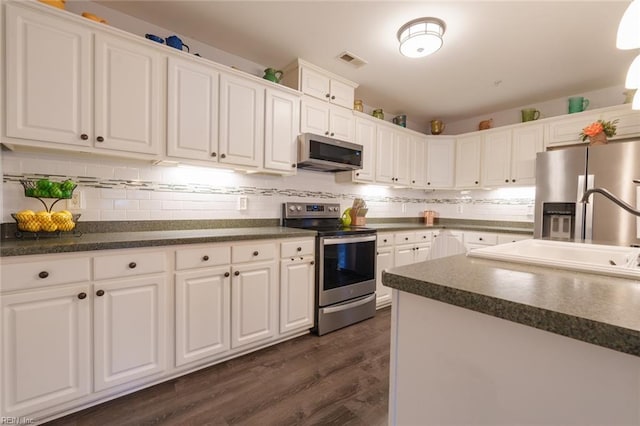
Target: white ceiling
column 496, row 54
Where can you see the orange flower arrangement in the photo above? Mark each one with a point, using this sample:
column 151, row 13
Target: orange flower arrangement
column 608, row 127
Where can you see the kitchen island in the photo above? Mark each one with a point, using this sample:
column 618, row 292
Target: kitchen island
column 476, row 341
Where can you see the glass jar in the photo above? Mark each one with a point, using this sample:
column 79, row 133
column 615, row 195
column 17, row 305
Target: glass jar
column 377, row 113
column 357, row 105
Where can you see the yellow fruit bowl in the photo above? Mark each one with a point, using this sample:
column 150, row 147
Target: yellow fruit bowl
column 44, row 222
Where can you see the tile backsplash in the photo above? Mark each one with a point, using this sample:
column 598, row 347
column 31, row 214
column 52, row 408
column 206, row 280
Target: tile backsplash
column 120, row 189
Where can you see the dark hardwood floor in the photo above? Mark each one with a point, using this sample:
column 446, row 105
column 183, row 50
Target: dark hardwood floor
column 341, row 378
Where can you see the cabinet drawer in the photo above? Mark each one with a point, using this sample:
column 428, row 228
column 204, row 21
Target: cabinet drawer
column 22, row 275
column 405, row 237
column 202, row 257
column 297, row 248
column 253, row 252
column 130, row 264
column 480, row 238
column 512, row 238
column 385, row 240
column 424, row 236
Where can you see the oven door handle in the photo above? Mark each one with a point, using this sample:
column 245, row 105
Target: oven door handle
column 349, row 304
column 329, row 241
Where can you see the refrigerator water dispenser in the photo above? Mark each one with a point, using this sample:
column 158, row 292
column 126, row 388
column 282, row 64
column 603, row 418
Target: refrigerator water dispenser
column 558, row 221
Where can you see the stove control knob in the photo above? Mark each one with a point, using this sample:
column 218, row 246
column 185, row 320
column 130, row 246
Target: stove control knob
column 299, row 208
column 292, row 208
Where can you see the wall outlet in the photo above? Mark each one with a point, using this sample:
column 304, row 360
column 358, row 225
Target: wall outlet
column 243, row 202
column 76, row 202
column 404, row 207
column 460, row 208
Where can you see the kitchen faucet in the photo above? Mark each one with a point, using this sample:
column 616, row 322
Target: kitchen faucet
column 609, row 195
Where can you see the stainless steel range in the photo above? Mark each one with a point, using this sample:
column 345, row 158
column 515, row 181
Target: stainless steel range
column 346, row 259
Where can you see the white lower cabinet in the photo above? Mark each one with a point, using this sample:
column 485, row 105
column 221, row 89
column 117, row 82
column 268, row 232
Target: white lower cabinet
column 384, row 260
column 297, row 278
column 254, row 303
column 46, row 348
column 78, row 329
column 129, row 330
column 203, row 313
column 447, row 243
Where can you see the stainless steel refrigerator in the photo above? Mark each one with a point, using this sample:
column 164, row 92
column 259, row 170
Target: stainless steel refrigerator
column 562, row 177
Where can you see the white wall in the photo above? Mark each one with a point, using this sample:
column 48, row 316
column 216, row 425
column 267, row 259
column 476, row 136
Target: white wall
column 597, row 99
column 134, row 190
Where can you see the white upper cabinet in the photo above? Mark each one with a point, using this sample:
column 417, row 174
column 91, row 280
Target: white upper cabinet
column 393, row 156
column 318, row 83
column 509, row 156
column 385, row 163
column 418, row 162
column 129, row 96
column 526, row 143
column 282, row 118
column 468, row 149
column 441, row 153
column 241, row 121
column 48, row 81
column 192, row 110
column 366, row 136
column 53, row 97
column 324, row 119
column 496, row 157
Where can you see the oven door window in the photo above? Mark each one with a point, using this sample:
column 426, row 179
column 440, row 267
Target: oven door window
column 348, row 263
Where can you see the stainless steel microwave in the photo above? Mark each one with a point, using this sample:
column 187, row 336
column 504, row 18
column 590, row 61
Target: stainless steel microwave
column 320, row 153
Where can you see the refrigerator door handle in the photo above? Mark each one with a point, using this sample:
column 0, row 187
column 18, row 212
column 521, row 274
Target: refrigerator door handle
column 588, row 208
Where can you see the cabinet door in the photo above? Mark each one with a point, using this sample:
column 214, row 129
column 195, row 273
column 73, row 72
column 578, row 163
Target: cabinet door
column 440, row 162
column 129, row 96
column 468, row 150
column 418, row 162
column 496, row 158
column 314, row 84
column 297, row 285
column 46, row 348
column 402, row 158
column 404, row 255
column 385, row 155
column 254, row 303
column 203, row 314
column 192, row 110
column 48, row 78
column 366, row 136
column 526, row 143
column 341, row 94
column 422, row 252
column 341, row 124
column 566, row 130
column 314, row 117
column 241, row 121
column 129, row 330
column 384, row 261
column 282, row 123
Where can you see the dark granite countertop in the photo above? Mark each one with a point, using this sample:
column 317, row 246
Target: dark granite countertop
column 118, row 240
column 592, row 308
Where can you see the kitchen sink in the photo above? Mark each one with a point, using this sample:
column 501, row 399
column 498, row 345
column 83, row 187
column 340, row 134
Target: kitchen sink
column 595, row 258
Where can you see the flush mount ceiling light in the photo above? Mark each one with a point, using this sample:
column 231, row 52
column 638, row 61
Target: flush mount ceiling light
column 629, row 29
column 421, row 37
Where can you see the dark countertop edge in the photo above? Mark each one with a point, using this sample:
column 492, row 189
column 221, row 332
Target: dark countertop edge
column 50, row 246
column 392, row 227
column 578, row 328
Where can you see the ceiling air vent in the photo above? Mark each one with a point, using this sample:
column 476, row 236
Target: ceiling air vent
column 352, row 59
